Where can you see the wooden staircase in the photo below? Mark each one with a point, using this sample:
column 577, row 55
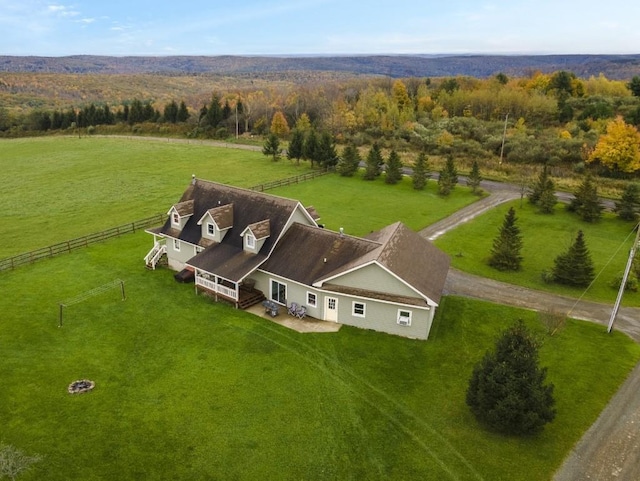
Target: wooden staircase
column 249, row 297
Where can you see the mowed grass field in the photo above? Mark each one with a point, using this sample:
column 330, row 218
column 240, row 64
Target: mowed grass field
column 55, row 189
column 190, row 389
column 544, row 238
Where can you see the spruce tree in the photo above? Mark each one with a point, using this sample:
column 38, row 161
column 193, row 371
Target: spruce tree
column 629, row 205
column 310, row 147
column 448, row 177
column 296, row 146
column 574, row 267
column 420, row 172
column 394, row 168
column 373, row 163
column 349, row 162
column 543, row 193
column 183, row 112
column 271, row 147
column 327, row 156
column 585, row 202
column 505, row 255
column 474, row 178
column 507, row 391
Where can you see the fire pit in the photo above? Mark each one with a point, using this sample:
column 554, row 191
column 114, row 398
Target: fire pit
column 78, row 387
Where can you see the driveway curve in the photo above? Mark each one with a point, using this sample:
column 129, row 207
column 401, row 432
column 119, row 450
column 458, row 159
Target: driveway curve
column 610, row 449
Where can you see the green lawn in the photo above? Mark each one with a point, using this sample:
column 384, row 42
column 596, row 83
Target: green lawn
column 189, row 389
column 59, row 188
column 544, row 237
column 363, row 206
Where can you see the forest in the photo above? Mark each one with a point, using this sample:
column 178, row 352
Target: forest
column 555, row 119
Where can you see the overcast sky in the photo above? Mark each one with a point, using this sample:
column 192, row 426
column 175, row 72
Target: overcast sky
column 335, row 27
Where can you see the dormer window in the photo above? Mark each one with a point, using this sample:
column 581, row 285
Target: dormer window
column 175, row 218
column 250, row 240
column 211, row 228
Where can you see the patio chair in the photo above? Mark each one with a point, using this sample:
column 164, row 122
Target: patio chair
column 293, row 308
column 301, row 312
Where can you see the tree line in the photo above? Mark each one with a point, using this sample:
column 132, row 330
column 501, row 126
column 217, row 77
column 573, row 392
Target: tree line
column 553, row 119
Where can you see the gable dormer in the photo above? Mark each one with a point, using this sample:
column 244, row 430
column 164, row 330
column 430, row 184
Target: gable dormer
column 216, row 222
column 254, row 236
column 180, row 213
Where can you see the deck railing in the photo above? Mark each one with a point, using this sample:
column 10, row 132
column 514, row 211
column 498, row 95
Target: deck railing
column 219, row 288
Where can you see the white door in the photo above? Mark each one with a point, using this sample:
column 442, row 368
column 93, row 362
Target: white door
column 331, row 309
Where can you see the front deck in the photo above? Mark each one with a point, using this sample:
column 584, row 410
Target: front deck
column 241, row 296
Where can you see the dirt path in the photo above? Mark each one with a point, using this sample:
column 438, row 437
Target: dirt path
column 610, row 449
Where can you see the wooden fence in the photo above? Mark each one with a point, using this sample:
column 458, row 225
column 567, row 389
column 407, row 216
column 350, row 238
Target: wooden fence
column 289, row 180
column 67, row 246
column 73, row 244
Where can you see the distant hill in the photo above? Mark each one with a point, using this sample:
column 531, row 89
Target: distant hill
column 612, row 66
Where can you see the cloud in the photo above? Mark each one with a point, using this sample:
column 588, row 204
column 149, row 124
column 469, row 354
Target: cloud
column 62, row 11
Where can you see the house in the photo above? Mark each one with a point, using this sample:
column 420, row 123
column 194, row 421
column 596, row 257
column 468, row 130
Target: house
column 244, row 246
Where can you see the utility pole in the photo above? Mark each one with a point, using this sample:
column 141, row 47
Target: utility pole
column 623, row 284
column 504, row 134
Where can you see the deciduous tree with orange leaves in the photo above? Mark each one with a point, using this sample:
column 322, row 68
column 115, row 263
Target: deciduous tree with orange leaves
column 619, row 148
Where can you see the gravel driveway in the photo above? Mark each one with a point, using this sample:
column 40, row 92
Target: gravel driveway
column 610, row 449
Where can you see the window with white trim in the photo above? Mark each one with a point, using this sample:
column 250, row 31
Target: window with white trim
column 176, row 245
column 175, row 218
column 278, row 292
column 250, row 240
column 211, row 228
column 312, row 299
column 404, row 317
column 359, row 309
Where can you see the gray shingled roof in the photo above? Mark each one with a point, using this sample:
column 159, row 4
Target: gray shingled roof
column 260, row 229
column 222, row 216
column 184, row 208
column 308, row 253
column 312, row 255
column 249, row 207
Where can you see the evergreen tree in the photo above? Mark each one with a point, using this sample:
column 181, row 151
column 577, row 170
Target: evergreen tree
column 420, row 172
column 543, row 193
column 548, row 199
column 349, row 162
column 183, row 112
column 574, row 267
column 585, row 202
column 327, row 155
column 505, row 255
column 272, row 147
column 634, row 86
column 296, row 146
column 448, row 177
column 538, row 187
column 394, row 168
column 629, row 205
column 213, row 115
column 374, row 163
column 171, row 112
column 310, row 147
column 507, row 390
column 474, row 178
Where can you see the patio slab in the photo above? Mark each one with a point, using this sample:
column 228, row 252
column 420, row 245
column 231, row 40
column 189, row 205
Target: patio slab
column 308, row 324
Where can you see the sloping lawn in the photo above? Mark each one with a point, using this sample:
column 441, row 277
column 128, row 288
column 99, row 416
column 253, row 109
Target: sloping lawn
column 60, row 188
column 189, row 389
column 361, row 207
column 544, row 237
